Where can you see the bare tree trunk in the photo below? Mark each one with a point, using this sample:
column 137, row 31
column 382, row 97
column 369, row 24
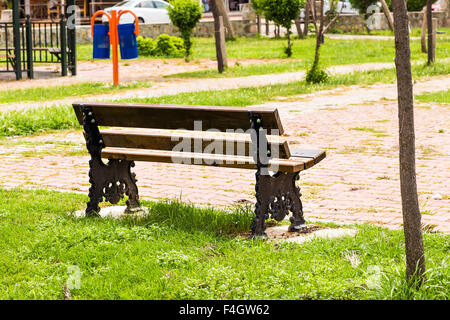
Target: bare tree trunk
column 258, row 23
column 319, row 35
column 220, row 7
column 415, row 259
column 430, row 31
column 306, row 21
column 298, row 27
column 219, row 36
column 423, row 42
column 387, row 14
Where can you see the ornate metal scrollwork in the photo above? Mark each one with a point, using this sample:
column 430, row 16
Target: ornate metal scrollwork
column 111, row 181
column 277, row 195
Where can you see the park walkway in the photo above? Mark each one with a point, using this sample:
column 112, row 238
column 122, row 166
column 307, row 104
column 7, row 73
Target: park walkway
column 357, row 182
column 168, row 86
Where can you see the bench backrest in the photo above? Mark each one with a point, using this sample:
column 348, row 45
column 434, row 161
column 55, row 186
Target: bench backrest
column 177, row 117
column 173, row 117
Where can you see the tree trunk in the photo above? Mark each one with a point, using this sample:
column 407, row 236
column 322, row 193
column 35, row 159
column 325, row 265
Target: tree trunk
column 319, row 35
column 423, row 42
column 221, row 52
column 289, row 48
column 415, row 259
column 387, row 14
column 220, row 7
column 298, row 27
column 306, row 21
column 430, row 31
column 258, row 23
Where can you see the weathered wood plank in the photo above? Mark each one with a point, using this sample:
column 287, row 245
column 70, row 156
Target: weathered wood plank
column 317, row 155
column 291, row 165
column 178, row 116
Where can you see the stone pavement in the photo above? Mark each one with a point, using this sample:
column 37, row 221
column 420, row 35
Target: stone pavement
column 357, row 182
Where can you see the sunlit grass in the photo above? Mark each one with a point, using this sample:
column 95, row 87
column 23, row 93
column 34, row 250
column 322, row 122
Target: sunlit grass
column 183, row 252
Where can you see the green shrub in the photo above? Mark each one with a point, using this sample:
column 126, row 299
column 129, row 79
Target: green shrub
column 146, row 46
column 185, row 14
column 416, row 5
column 412, row 5
column 316, row 75
column 169, row 46
column 282, row 12
column 164, row 45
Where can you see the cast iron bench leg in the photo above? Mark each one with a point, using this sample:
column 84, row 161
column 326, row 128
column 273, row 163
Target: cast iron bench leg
column 111, row 181
column 277, row 196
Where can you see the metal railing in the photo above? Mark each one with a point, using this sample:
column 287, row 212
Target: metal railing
column 26, row 42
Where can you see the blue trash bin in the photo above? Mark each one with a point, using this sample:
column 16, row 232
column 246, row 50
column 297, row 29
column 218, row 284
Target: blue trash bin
column 101, row 41
column 127, row 41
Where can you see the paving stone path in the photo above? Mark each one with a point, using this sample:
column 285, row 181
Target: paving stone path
column 357, row 182
column 174, row 86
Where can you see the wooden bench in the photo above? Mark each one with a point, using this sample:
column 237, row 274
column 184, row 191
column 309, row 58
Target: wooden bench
column 53, row 51
column 276, row 194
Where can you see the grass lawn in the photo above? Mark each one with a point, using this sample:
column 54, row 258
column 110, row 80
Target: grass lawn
column 334, row 52
column 258, row 95
column 183, row 252
column 62, row 117
column 439, row 97
column 415, row 32
column 61, row 92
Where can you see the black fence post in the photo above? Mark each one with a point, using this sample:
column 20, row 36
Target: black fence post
column 63, row 44
column 29, row 40
column 16, row 33
column 71, row 14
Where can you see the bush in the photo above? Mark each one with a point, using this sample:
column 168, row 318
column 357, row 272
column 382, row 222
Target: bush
column 416, row 5
column 185, row 14
column 164, row 45
column 282, row 12
column 146, row 46
column 316, row 75
column 169, row 46
column 412, row 5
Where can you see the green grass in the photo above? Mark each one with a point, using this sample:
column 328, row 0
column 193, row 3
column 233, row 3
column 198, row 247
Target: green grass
column 61, row 92
column 438, row 97
column 415, row 32
column 62, row 117
column 257, row 95
column 183, row 252
column 334, row 52
column 36, row 120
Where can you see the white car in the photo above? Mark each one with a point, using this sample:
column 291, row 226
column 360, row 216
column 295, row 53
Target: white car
column 343, row 6
column 147, row 11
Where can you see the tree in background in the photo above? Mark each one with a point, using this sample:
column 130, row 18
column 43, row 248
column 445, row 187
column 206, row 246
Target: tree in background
column 185, row 14
column 282, row 12
column 415, row 257
column 316, row 74
column 258, row 6
column 363, row 8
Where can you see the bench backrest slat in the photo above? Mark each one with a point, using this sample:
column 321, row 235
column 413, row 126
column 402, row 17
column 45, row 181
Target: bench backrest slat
column 178, row 117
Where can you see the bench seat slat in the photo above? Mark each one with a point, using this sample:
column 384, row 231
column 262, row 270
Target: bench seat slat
column 140, row 139
column 290, row 165
column 316, row 155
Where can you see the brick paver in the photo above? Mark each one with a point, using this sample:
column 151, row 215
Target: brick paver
column 357, row 182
